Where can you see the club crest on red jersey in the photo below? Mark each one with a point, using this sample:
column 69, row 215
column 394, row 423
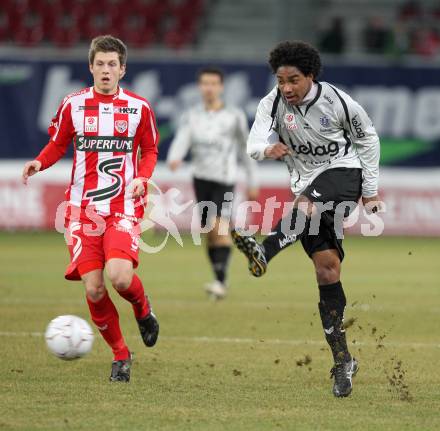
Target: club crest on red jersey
column 121, row 125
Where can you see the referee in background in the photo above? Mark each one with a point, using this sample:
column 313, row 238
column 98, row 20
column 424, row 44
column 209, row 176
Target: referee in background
column 216, row 136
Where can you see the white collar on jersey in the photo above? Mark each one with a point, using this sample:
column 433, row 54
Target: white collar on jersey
column 310, row 95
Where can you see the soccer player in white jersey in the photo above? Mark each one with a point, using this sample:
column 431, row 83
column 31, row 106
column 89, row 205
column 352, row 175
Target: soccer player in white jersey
column 216, row 135
column 332, row 153
column 115, row 151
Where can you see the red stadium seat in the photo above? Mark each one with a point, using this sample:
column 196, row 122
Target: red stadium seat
column 35, row 5
column 178, row 37
column 153, row 12
column 68, row 5
column 187, row 8
column 136, row 30
column 5, row 23
column 17, row 13
column 184, row 16
column 6, row 6
column 139, row 39
column 27, row 22
column 29, row 35
column 96, row 24
column 65, row 37
column 62, row 21
column 66, row 22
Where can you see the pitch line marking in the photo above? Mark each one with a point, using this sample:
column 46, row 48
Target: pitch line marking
column 362, row 307
column 238, row 340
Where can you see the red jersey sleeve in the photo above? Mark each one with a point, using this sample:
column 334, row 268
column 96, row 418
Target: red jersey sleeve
column 61, row 132
column 149, row 138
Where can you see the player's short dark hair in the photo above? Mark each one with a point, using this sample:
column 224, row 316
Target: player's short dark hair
column 108, row 43
column 211, row 70
column 299, row 54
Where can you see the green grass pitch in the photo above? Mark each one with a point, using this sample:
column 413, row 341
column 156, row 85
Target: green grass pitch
column 256, row 361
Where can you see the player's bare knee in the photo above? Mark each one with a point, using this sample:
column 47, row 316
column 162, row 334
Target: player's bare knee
column 121, row 280
column 327, row 272
column 219, row 241
column 94, row 285
column 327, row 266
column 120, row 273
column 95, row 291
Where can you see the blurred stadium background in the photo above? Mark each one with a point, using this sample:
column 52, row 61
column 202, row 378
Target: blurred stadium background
column 385, row 53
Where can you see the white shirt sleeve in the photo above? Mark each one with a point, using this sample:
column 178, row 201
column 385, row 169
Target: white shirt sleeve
column 181, row 143
column 250, row 165
column 366, row 143
column 262, row 135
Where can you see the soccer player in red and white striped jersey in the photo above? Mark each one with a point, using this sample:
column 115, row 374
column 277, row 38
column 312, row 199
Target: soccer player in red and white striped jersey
column 115, row 151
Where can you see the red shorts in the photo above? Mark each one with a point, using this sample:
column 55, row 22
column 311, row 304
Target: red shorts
column 91, row 238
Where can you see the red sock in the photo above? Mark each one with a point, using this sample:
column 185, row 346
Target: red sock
column 106, row 318
column 136, row 295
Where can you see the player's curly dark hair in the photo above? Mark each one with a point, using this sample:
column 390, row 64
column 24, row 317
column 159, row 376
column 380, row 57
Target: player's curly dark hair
column 296, row 53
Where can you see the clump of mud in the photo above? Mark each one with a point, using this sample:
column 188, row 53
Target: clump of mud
column 304, row 361
column 396, row 378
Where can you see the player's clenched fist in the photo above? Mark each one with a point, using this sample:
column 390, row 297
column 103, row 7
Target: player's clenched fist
column 174, row 164
column 276, row 151
column 30, row 168
column 137, row 187
column 372, row 204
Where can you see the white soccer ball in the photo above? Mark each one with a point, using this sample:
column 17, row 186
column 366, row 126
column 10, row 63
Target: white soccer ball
column 69, row 337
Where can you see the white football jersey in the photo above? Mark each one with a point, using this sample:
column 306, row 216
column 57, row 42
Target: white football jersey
column 217, row 142
column 329, row 130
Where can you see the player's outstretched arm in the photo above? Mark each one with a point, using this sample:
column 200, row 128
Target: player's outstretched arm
column 249, row 164
column 61, row 132
column 30, row 168
column 181, row 143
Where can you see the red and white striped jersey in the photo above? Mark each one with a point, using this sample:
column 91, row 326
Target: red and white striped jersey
column 108, row 132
